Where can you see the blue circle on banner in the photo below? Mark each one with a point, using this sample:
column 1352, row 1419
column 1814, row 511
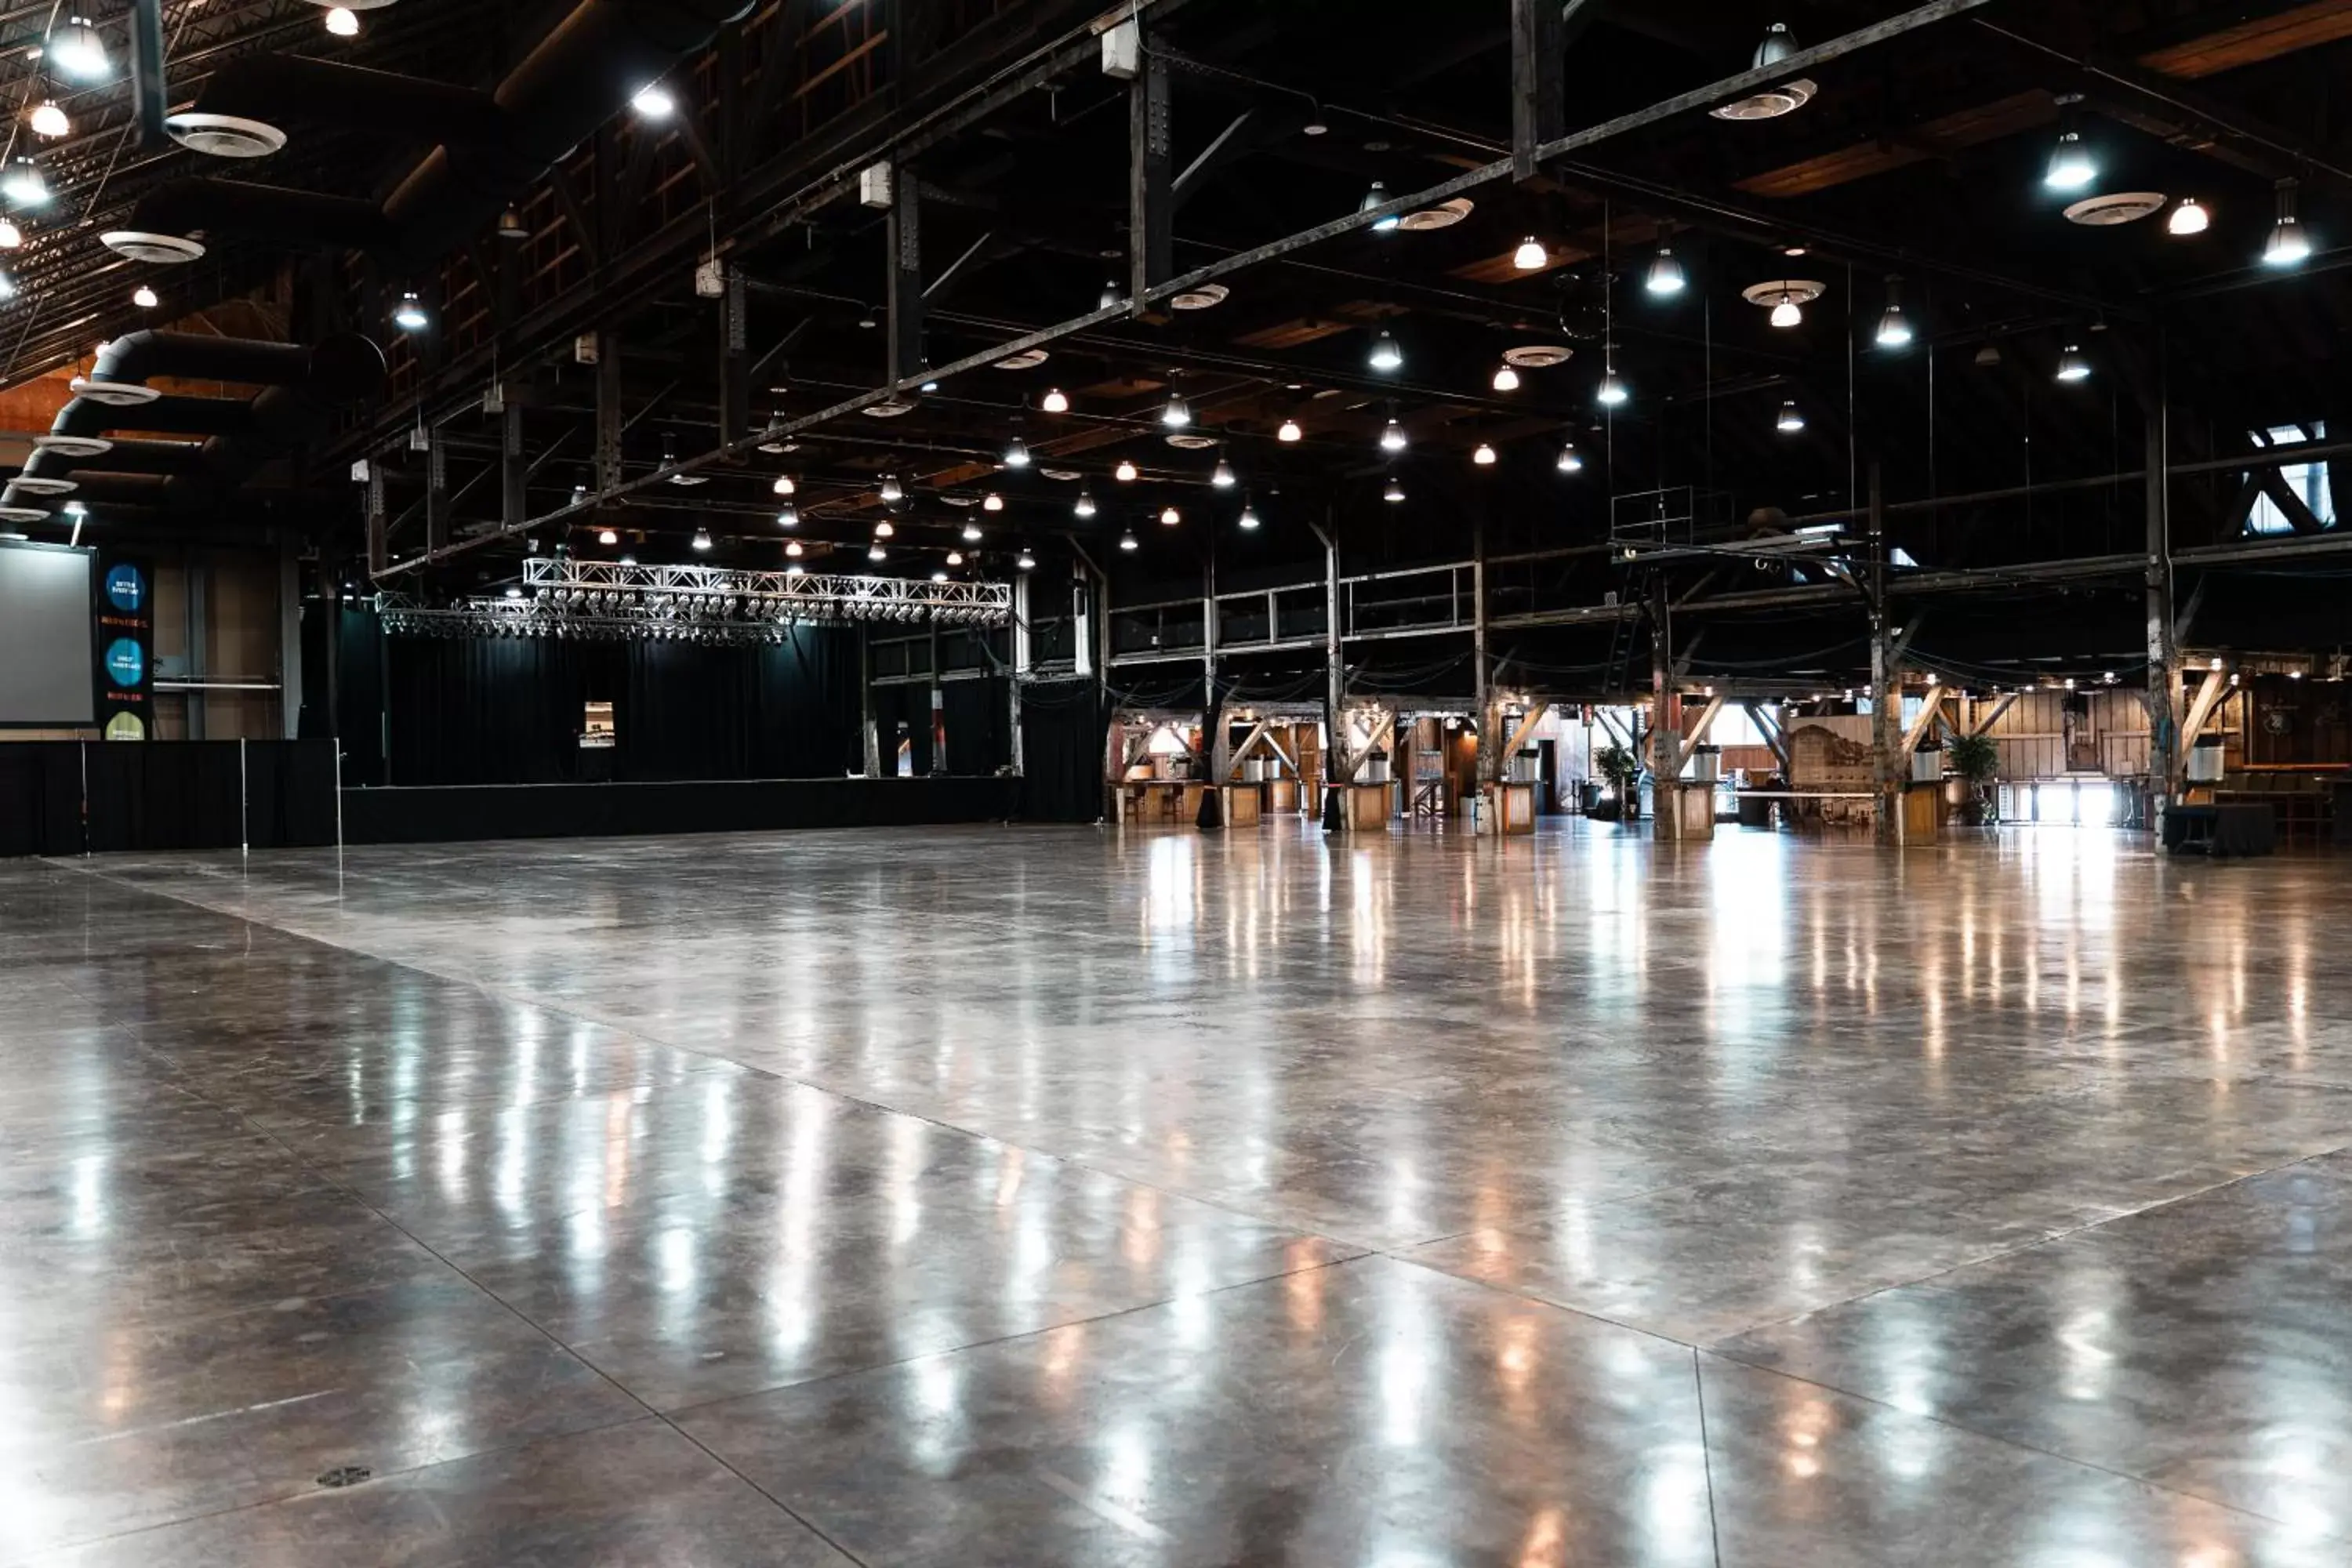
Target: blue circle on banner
column 126, row 663
column 126, row 588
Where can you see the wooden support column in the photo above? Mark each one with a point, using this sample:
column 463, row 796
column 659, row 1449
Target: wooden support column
column 1216, row 739
column 1666, row 734
column 1335, row 767
column 1539, row 39
column 1885, row 683
column 1491, row 762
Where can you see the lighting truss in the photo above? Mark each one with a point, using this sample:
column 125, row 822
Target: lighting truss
column 606, row 600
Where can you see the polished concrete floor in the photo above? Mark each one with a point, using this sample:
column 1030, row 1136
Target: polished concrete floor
column 1038, row 1197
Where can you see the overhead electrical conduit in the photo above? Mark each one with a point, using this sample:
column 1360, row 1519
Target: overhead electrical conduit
column 301, row 387
column 492, row 145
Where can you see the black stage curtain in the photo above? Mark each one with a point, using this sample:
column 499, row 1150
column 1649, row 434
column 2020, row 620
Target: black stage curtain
column 359, row 692
column 40, row 798
column 903, row 710
column 687, row 710
column 486, row 709
column 1064, row 733
column 979, row 738
column 478, row 710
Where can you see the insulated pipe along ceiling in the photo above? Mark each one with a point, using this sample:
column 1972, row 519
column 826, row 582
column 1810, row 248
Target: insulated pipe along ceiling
column 300, row 387
column 490, row 146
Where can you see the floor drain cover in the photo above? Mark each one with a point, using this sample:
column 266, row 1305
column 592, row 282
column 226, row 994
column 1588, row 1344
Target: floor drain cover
column 345, row 1476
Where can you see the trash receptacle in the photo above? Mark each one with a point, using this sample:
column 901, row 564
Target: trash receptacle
column 1754, row 810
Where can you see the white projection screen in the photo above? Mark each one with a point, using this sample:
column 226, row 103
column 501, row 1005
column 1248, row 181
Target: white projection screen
column 48, row 628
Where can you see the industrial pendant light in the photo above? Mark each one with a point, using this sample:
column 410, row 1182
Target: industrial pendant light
column 1053, row 402
column 1125, row 472
column 1571, row 461
column 23, row 184
column 2189, row 218
column 50, row 120
column 793, row 549
column 1127, row 541
column 144, row 298
column 1085, row 505
column 783, row 485
column 971, row 534
column 702, row 539
column 653, row 101
column 787, row 516
column 1530, row 256
column 1170, row 517
column 1788, row 312
column 1506, row 378
column 511, row 225
column 955, row 557
column 7, row 286
column 606, row 536
column 1223, row 478
column 1290, row 431
column 1894, row 327
column 1016, row 453
column 1385, row 355
column 939, row 576
column 992, row 503
column 1248, row 520
column 1612, row 393
column 11, row 237
column 410, row 315
column 886, row 529
column 1484, row 456
column 1395, row 492
column 77, row 52
column 2070, row 165
column 342, row 21
column 891, row 492
column 1377, row 196
column 2289, row 245
column 1665, row 275
column 1178, row 414
column 1026, row 562
column 2073, row 366
column 1392, row 437
column 875, row 553
column 1778, row 45
column 1109, row 299
column 1791, row 420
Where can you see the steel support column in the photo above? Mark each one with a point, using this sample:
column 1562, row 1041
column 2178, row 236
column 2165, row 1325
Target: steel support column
column 1152, row 251
column 513, row 471
column 611, row 420
column 1885, row 683
column 1021, row 663
column 2163, row 693
column 1539, row 39
column 905, row 284
column 437, row 490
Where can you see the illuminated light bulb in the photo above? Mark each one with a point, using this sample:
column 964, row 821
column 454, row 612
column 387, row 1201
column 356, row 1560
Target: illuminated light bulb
column 1894, row 328
column 1395, row 492
column 1290, row 431
column 702, row 539
column 76, row 51
column 606, row 536
column 787, row 516
column 955, row 557
column 1612, row 393
column 1177, row 415
column 1127, row 542
column 1125, row 472
column 1385, row 355
column 342, row 21
column 409, row 315
column 1666, row 276
column 1377, row 196
column 1016, row 453
column 877, row 552
column 654, row 102
column 50, row 120
column 1053, row 402
column 2071, row 166
column 2289, row 245
column 23, row 183
column 2073, row 366
column 144, row 298
column 1530, row 256
column 2190, row 217
column 885, row 529
column 938, row 576
column 793, row 570
column 1025, row 561
column 1393, row 438
column 891, row 492
column 1507, row 379
column 11, row 237
column 971, row 534
column 992, row 502
column 1085, row 505
column 1571, row 461
column 1223, row 478
column 1791, row 420
column 1484, row 456
column 1249, row 517
column 792, row 549
column 1788, row 312
column 783, row 485
column 1170, row 517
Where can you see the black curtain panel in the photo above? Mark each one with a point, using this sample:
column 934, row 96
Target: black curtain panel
column 904, row 712
column 359, row 692
column 979, row 725
column 486, row 709
column 808, row 712
column 1065, row 734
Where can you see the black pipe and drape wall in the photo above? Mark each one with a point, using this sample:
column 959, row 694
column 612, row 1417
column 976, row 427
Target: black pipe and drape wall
column 1065, row 737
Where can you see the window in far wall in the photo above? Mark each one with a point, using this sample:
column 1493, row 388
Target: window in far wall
column 2307, row 480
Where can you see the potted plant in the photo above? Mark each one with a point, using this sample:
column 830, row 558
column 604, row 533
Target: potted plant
column 1976, row 759
column 1622, row 769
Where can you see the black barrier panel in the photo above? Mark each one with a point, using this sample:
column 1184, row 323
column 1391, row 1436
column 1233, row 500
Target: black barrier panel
column 459, row 813
column 40, row 798
column 63, row 797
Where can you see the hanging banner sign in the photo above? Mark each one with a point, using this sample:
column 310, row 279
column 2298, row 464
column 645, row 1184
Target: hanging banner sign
column 126, row 649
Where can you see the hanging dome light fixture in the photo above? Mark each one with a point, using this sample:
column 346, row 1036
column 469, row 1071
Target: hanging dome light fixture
column 23, row 183
column 144, row 298
column 1778, row 45
column 1127, row 541
column 1484, row 456
column 342, row 21
column 783, row 485
column 1392, row 436
column 11, row 237
column 1377, row 196
column 1612, row 393
column 1178, row 414
column 2073, row 366
column 2288, row 245
column 653, row 101
column 1395, row 491
column 793, row 549
column 1385, row 355
column 1016, row 453
column 1248, row 520
column 2189, row 218
column 787, row 516
column 1125, row 472
column 1290, row 431
column 1665, row 277
column 971, row 534
column 702, row 539
column 1506, row 378
column 1893, row 326
column 1053, row 402
column 77, row 53
column 886, row 529
column 608, row 536
column 992, row 503
column 875, row 553
column 1085, row 505
column 49, row 121
column 410, row 315
column 2070, row 166
column 1530, row 256
column 1170, row 517
column 891, row 492
column 1571, row 461
column 1223, row 478
column 1791, row 420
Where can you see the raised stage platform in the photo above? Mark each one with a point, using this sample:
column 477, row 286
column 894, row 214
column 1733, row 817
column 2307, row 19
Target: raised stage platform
column 456, row 812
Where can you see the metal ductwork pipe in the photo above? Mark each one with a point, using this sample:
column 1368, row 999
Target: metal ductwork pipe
column 302, row 386
column 283, row 91
column 578, row 78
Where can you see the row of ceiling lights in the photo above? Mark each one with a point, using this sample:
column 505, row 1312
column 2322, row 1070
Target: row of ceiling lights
column 2073, row 166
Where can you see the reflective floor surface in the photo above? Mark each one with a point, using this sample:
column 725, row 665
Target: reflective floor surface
column 1043, row 1196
